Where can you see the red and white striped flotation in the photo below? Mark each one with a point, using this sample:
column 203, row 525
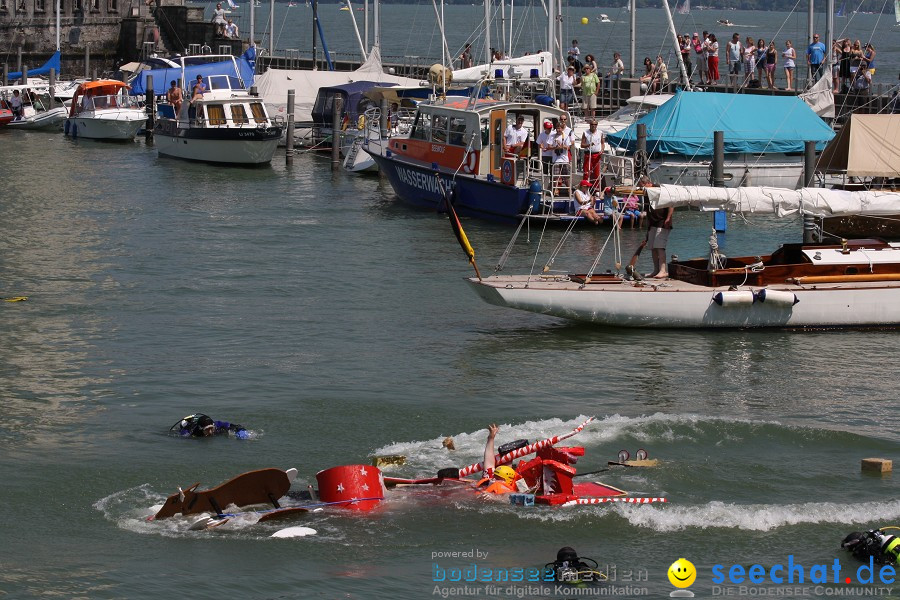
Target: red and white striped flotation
column 628, row 500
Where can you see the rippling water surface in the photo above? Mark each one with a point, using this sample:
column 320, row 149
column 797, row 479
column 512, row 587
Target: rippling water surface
column 334, row 323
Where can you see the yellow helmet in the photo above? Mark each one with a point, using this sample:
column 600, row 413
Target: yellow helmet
column 507, row 474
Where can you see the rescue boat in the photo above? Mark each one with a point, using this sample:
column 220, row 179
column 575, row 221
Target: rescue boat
column 456, row 148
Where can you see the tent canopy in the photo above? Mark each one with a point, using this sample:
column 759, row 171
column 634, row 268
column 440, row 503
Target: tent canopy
column 241, row 67
column 867, row 146
column 751, row 123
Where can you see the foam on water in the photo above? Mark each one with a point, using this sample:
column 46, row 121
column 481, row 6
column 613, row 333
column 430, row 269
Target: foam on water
column 755, row 517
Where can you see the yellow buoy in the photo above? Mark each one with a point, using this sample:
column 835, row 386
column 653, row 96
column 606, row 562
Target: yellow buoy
column 584, row 20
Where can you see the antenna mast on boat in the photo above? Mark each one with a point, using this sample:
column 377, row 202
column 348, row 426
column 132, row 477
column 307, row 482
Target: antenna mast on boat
column 681, row 67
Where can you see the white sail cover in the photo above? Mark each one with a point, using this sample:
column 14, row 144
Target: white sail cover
column 820, row 97
column 511, row 67
column 273, row 85
column 781, row 202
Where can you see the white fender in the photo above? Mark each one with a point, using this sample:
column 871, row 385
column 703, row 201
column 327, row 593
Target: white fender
column 736, row 298
column 777, row 297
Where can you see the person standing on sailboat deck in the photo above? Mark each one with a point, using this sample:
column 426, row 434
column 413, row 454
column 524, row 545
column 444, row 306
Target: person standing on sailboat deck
column 749, row 60
column 660, row 223
column 219, row 19
column 465, row 59
column 561, row 143
column 175, row 97
column 515, row 137
column 592, row 144
column 789, row 54
column 815, row 56
column 771, row 63
column 734, row 56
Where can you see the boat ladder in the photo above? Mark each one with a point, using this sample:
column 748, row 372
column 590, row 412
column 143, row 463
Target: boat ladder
column 350, row 159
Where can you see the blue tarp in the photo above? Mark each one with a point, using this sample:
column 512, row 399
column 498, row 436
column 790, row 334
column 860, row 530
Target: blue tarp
column 53, row 63
column 162, row 77
column 751, row 123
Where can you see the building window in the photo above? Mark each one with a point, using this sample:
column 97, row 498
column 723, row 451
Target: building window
column 113, row 6
column 39, row 6
column 4, row 7
column 95, row 5
column 78, row 5
column 20, row 5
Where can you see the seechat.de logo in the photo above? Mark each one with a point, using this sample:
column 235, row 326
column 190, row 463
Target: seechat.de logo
column 682, row 575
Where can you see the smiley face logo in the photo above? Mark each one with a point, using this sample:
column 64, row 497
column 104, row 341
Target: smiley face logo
column 682, row 573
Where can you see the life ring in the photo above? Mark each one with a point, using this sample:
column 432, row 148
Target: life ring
column 470, row 162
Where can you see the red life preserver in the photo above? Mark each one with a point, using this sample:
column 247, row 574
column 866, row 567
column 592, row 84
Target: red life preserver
column 470, row 163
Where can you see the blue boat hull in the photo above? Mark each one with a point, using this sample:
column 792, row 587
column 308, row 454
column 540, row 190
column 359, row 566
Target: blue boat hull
column 479, row 198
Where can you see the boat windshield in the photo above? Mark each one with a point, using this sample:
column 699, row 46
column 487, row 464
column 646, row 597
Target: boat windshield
column 224, row 82
column 113, row 101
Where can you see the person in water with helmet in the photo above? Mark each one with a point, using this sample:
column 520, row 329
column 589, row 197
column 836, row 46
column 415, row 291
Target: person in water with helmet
column 200, row 425
column 499, row 480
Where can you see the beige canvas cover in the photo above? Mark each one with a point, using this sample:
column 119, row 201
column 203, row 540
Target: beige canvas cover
column 867, row 146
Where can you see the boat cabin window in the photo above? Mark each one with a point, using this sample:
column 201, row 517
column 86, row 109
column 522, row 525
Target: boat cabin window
column 239, row 115
column 259, row 113
column 215, row 114
column 422, row 127
column 223, row 82
column 439, row 129
column 458, row 131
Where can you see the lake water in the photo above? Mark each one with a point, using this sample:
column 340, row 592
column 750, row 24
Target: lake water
column 335, row 324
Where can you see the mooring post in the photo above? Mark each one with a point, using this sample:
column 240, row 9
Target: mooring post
column 720, row 221
column 19, row 59
column 87, row 61
column 336, row 133
column 289, row 140
column 151, row 110
column 52, row 86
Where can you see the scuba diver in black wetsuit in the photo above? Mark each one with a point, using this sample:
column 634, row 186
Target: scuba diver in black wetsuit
column 882, row 547
column 200, row 425
column 570, row 568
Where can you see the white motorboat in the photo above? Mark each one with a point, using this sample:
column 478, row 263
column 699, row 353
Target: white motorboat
column 226, row 125
column 604, row 18
column 37, row 111
column 851, row 284
column 635, row 108
column 102, row 110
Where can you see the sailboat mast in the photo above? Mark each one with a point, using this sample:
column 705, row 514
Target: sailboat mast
column 829, row 35
column 366, row 22
column 681, row 67
column 487, row 31
column 510, row 46
column 57, row 28
column 252, row 22
column 633, row 31
column 272, row 29
column 811, row 23
column 315, row 20
column 551, row 30
column 502, row 27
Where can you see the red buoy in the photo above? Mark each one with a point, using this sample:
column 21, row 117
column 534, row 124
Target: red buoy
column 359, row 487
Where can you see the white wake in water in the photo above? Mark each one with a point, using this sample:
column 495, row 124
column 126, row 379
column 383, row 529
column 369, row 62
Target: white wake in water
column 756, row 517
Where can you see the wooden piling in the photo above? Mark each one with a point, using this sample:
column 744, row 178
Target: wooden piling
column 151, row 110
column 289, row 140
column 336, row 133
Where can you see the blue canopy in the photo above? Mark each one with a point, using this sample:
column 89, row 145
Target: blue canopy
column 751, row 123
column 354, row 105
column 162, row 77
column 53, row 63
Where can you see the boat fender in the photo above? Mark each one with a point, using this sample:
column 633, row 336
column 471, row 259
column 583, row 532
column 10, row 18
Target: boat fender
column 534, row 196
column 738, row 298
column 510, row 446
column 777, row 297
column 66, row 127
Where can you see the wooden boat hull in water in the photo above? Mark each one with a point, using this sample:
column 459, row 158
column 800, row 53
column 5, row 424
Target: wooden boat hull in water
column 859, row 287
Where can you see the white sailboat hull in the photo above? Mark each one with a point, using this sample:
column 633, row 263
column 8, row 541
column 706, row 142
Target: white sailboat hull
column 676, row 304
column 753, row 171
